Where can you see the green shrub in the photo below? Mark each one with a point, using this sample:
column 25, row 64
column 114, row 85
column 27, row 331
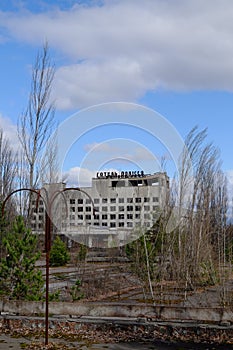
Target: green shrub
column 59, row 255
column 54, row 296
column 81, row 256
column 75, row 291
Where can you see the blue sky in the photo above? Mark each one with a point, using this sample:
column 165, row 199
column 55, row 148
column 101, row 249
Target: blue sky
column 174, row 57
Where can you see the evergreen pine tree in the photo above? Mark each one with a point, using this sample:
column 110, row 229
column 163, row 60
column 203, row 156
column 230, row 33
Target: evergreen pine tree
column 59, row 254
column 19, row 278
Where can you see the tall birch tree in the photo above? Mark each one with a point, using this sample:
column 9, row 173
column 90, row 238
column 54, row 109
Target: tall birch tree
column 36, row 124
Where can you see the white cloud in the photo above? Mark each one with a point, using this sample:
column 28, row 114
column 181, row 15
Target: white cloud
column 106, row 147
column 141, row 153
column 229, row 175
column 119, row 153
column 79, row 177
column 116, row 148
column 124, row 48
column 10, row 132
column 96, row 82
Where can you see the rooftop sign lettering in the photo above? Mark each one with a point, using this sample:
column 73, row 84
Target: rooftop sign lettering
column 118, row 175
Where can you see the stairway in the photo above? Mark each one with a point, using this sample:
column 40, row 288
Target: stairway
column 106, row 255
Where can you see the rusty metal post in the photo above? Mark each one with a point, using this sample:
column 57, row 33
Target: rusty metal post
column 47, row 251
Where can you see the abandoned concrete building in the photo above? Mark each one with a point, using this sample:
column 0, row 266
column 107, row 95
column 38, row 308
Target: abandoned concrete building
column 115, row 207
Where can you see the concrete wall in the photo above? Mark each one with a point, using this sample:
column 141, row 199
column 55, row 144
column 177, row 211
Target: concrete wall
column 165, row 313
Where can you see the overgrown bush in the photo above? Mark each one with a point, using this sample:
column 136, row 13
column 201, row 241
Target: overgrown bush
column 81, row 256
column 59, row 255
column 75, row 291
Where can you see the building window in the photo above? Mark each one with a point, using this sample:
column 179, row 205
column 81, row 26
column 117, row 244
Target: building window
column 147, row 216
column 41, row 210
column 96, row 200
column 154, row 182
column 129, row 224
column 129, row 208
column 41, row 217
column 113, row 208
column 146, row 199
column 88, row 201
column 104, row 200
column 96, row 217
column 80, row 217
column 129, row 200
column 113, row 216
column 104, row 217
column 104, row 224
column 146, row 207
column 130, row 216
column 112, row 224
column 72, row 209
column 80, row 209
column 113, row 200
column 72, row 217
column 88, row 208
column 137, row 208
column 35, row 210
column 118, row 183
column 80, row 201
column 138, row 200
column 155, row 216
column 121, row 216
column 121, row 200
column 96, row 223
column 121, row 208
column 121, row 224
column 155, row 199
column 104, row 208
column 88, row 217
column 72, row 201
column 137, row 216
column 155, row 207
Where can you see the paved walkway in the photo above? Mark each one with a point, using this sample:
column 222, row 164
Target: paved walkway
column 10, row 343
column 7, row 342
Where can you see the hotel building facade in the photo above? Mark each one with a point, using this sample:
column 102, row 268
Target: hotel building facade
column 116, row 209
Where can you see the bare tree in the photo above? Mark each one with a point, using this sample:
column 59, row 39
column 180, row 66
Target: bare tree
column 193, row 250
column 203, row 216
column 189, row 241
column 8, row 166
column 36, row 123
column 49, row 165
column 22, row 182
